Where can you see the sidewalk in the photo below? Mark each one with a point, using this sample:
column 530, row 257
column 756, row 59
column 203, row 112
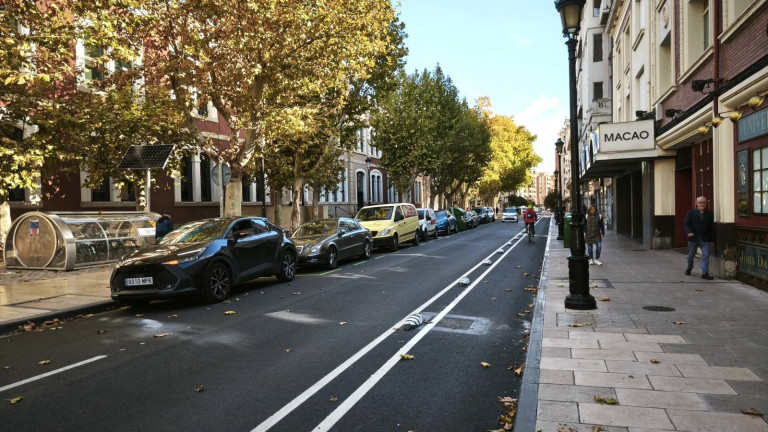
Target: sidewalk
column 59, row 296
column 693, row 368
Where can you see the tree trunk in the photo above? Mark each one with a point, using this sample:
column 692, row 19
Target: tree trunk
column 277, row 200
column 298, row 185
column 5, row 224
column 315, row 203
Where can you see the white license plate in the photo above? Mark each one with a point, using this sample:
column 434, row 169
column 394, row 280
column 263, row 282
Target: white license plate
column 138, row 281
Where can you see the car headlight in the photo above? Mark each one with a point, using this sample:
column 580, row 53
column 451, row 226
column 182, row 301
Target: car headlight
column 315, row 248
column 186, row 257
column 384, row 232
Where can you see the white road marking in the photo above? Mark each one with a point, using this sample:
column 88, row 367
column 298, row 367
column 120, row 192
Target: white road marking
column 362, row 390
column 53, row 372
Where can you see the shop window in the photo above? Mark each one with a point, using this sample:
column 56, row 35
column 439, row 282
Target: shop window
column 760, row 181
column 101, row 193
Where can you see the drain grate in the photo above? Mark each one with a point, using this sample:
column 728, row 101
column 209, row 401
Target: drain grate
column 455, row 323
column 659, row 308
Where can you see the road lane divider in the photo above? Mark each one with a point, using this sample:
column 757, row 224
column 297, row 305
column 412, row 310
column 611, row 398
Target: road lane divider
column 53, row 372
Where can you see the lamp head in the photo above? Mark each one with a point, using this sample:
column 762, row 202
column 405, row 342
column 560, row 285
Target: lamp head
column 716, row 121
column 570, row 15
column 704, row 129
column 735, row 115
column 559, row 146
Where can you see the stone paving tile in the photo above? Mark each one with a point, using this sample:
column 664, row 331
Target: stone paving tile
column 631, row 346
column 570, row 393
column 624, row 416
column 568, row 343
column 657, row 338
column 555, row 333
column 553, row 426
column 645, row 368
column 604, row 354
column 596, row 335
column 660, row 399
column 618, row 380
column 557, row 411
column 693, row 359
column 556, row 352
column 716, row 422
column 692, row 385
column 714, row 355
column 573, row 364
column 551, row 376
column 713, row 372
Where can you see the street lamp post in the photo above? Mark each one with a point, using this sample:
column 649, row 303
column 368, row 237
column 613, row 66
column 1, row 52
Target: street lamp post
column 368, row 180
column 558, row 190
column 578, row 266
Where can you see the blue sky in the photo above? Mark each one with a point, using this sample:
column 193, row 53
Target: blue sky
column 512, row 51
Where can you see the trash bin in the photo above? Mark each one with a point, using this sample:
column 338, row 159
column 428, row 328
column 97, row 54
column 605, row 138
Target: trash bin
column 567, row 231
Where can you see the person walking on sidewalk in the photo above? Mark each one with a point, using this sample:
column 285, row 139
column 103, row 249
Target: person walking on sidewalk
column 594, row 230
column 698, row 225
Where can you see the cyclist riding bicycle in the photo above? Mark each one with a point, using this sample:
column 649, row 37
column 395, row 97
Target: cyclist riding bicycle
column 529, row 216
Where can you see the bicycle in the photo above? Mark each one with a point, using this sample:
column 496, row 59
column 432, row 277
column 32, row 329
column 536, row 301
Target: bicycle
column 529, row 230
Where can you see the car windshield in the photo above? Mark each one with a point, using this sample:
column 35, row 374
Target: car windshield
column 197, row 231
column 375, row 213
column 510, row 210
column 311, row 228
column 441, row 214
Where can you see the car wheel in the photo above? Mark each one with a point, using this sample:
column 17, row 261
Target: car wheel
column 415, row 240
column 366, row 250
column 287, row 267
column 395, row 243
column 218, row 282
column 333, row 258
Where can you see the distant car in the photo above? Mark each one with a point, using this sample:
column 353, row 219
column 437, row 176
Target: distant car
column 204, row 258
column 509, row 215
column 390, row 224
column 471, row 219
column 482, row 214
column 446, row 222
column 327, row 241
column 491, row 214
column 427, row 223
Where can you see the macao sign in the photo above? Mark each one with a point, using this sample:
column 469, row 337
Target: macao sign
column 753, row 125
column 627, row 136
column 753, row 261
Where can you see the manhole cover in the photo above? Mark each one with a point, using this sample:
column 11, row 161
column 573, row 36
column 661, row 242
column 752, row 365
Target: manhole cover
column 456, row 323
column 659, row 308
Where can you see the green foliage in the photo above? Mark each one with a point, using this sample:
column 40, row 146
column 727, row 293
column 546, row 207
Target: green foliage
column 550, row 201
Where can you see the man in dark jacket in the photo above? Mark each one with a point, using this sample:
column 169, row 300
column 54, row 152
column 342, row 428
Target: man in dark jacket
column 698, row 225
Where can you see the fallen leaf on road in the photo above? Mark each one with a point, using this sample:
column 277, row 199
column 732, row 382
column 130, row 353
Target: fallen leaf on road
column 485, row 364
column 406, row 357
column 159, row 335
column 605, row 299
column 7, row 367
column 44, row 362
column 15, row 400
column 576, row 325
column 678, row 322
column 526, row 274
column 343, row 322
column 752, row 411
column 199, row 389
column 597, row 428
column 530, row 305
column 288, row 349
column 654, row 361
column 608, row 400
column 508, row 289
column 520, row 314
column 296, row 293
column 230, row 313
column 102, row 331
column 173, row 316
column 333, row 399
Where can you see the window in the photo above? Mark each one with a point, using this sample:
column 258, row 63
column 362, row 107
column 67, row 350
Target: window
column 205, row 178
column 597, row 47
column 101, row 193
column 597, row 90
column 760, row 180
column 698, row 30
column 94, row 68
column 665, row 71
column 186, row 179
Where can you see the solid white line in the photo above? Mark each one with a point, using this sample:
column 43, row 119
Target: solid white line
column 304, row 396
column 53, row 372
column 345, row 406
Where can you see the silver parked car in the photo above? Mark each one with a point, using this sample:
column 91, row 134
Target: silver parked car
column 327, row 241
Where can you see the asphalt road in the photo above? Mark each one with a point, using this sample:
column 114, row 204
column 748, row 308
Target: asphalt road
column 321, row 353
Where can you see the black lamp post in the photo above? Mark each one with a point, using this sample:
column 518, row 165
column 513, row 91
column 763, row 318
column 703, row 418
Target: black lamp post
column 368, row 181
column 578, row 267
column 558, row 191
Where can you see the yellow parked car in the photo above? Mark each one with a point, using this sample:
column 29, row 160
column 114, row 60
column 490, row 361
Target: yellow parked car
column 390, row 224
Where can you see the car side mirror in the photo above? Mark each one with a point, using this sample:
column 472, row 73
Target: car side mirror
column 398, row 218
column 342, row 232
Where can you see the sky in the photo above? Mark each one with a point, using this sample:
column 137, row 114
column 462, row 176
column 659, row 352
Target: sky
column 512, row 51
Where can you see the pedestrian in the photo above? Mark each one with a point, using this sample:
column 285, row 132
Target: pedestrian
column 164, row 225
column 698, row 225
column 594, row 230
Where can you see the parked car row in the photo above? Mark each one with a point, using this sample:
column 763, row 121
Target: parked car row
column 208, row 257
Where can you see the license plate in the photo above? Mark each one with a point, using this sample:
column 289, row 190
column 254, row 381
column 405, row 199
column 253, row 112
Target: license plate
column 138, row 281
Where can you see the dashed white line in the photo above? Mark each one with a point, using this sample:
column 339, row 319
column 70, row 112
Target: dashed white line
column 53, row 372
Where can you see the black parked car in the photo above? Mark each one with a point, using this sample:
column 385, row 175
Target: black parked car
column 328, row 241
column 205, row 258
column 482, row 214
